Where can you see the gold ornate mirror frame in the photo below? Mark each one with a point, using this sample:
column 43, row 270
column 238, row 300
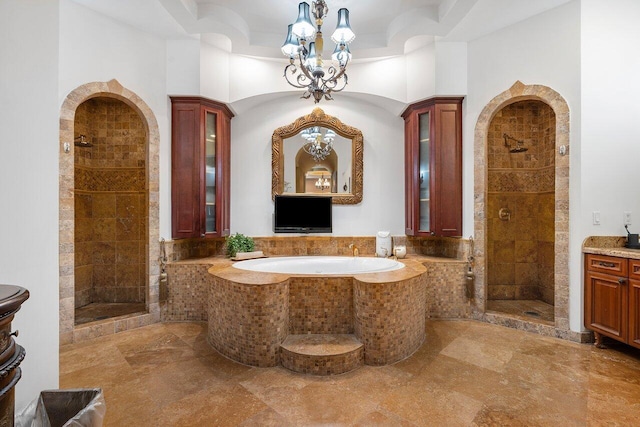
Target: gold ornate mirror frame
column 318, row 118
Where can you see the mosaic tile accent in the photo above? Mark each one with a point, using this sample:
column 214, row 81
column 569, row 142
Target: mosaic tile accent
column 102, row 179
column 445, row 284
column 248, row 323
column 390, row 319
column 188, row 288
column 320, row 305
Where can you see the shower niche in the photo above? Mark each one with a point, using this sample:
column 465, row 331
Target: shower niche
column 110, row 210
column 521, row 210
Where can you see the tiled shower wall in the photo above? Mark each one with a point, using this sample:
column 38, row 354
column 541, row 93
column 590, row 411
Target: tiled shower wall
column 110, row 204
column 520, row 251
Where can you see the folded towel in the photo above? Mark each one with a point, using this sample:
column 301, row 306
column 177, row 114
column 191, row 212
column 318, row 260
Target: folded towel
column 248, row 255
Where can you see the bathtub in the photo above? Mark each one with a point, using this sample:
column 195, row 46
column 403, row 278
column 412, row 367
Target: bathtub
column 325, row 265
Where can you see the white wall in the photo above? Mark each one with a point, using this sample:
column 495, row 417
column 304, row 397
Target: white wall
column 183, row 67
column 29, row 114
column 542, row 50
column 382, row 207
column 610, row 149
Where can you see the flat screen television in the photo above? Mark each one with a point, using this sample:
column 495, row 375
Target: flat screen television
column 302, row 214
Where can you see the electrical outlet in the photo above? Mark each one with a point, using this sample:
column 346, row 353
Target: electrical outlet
column 596, row 217
column 626, row 217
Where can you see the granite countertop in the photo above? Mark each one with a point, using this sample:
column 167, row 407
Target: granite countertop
column 609, row 245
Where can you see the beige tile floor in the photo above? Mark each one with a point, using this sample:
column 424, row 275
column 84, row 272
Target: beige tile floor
column 466, row 374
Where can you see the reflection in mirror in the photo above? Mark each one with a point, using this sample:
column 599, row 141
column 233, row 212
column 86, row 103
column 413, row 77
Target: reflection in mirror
column 317, row 160
column 318, row 154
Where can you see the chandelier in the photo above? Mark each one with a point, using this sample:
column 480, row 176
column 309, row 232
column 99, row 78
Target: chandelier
column 318, row 146
column 322, row 184
column 309, row 74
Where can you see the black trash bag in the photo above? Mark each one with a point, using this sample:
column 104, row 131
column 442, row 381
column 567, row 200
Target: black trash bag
column 64, row 408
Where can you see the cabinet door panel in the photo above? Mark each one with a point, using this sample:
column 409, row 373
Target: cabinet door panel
column 606, row 305
column 634, row 313
column 185, row 185
column 449, row 179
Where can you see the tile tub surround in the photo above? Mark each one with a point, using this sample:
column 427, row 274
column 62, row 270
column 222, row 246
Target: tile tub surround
column 447, row 247
column 189, row 280
column 250, row 313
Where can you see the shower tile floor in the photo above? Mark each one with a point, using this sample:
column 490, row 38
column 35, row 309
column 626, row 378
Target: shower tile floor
column 529, row 310
column 100, row 311
column 466, row 374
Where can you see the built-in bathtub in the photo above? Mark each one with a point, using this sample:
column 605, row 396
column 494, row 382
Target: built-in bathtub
column 251, row 313
column 325, row 265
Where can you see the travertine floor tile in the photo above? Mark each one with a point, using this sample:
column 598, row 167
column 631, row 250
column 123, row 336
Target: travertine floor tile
column 466, row 374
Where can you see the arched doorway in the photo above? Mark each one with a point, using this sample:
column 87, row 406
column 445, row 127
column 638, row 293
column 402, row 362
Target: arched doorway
column 104, row 175
column 519, row 92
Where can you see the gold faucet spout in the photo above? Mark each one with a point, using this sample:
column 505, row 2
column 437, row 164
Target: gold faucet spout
column 354, row 249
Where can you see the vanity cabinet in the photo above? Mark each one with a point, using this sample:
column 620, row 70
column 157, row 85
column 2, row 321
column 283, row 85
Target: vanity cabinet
column 612, row 298
column 200, row 175
column 433, row 167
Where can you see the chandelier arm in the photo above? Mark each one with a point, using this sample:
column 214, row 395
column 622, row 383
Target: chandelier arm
column 305, row 71
column 299, row 78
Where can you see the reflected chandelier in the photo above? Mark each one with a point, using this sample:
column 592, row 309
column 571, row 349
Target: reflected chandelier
column 322, row 184
column 309, row 74
column 318, row 146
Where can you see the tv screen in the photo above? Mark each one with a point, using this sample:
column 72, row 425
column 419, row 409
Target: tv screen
column 302, row 214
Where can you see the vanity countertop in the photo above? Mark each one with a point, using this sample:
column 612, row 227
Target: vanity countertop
column 609, row 245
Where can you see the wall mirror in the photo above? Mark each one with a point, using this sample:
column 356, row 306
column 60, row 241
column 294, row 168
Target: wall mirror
column 318, row 154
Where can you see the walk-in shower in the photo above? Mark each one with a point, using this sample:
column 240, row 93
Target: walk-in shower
column 521, row 210
column 110, row 210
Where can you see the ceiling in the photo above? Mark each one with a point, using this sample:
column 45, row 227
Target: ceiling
column 383, row 27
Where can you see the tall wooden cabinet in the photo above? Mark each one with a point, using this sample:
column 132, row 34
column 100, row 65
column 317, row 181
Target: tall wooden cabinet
column 433, row 167
column 200, row 163
column 612, row 298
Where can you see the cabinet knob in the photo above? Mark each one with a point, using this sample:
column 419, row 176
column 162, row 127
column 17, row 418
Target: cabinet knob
column 622, row 280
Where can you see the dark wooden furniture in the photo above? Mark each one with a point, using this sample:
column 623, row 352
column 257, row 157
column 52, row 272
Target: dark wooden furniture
column 200, row 167
column 612, row 298
column 11, row 354
column 433, row 167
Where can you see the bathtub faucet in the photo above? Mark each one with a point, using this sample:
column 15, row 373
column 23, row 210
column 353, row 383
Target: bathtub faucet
column 354, row 249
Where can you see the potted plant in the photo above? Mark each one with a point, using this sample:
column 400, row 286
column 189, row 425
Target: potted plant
column 238, row 243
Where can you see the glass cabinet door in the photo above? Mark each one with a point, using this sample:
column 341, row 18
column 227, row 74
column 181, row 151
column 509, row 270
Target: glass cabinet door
column 210, row 172
column 424, row 147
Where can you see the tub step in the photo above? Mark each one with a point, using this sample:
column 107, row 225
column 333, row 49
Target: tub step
column 318, row 354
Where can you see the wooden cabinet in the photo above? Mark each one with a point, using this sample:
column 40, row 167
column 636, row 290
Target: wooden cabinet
column 200, row 175
column 433, row 167
column 612, row 298
column 11, row 354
